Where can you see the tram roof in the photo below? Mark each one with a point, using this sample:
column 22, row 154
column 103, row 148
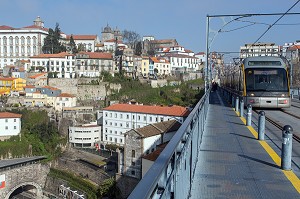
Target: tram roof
column 264, row 61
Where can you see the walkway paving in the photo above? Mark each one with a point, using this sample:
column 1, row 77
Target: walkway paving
column 234, row 164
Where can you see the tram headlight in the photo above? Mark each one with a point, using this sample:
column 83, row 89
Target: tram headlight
column 282, row 95
column 252, row 94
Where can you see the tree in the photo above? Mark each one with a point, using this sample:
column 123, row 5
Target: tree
column 73, row 45
column 130, row 38
column 52, row 45
column 138, row 48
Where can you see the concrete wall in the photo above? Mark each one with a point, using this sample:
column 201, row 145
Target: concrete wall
column 83, row 88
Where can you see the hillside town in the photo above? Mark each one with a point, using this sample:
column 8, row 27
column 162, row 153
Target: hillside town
column 68, row 84
column 64, row 83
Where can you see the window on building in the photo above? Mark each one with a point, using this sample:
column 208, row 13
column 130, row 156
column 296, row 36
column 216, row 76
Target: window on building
column 133, row 153
column 133, row 172
column 105, row 130
column 15, row 127
column 116, row 140
column 115, row 115
column 133, row 163
column 121, row 140
column 15, row 120
column 127, row 116
column 145, row 118
column 105, row 137
column 127, row 124
column 6, row 120
column 150, row 119
column 110, row 138
column 121, row 116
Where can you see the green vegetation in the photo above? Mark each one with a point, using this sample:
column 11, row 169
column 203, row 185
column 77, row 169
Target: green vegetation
column 75, row 182
column 181, row 95
column 107, row 188
column 38, row 136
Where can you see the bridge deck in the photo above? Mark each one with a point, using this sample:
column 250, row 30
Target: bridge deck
column 234, row 164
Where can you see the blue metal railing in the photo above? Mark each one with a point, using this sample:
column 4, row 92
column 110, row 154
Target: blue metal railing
column 172, row 173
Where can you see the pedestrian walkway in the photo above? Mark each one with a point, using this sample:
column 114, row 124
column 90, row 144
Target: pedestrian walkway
column 233, row 164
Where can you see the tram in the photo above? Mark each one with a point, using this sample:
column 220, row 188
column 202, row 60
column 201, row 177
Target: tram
column 263, row 82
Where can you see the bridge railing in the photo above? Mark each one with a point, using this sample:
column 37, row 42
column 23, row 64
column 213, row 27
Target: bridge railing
column 172, row 173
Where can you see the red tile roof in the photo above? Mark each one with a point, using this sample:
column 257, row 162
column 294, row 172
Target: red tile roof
column 66, row 95
column 37, row 75
column 29, row 86
column 59, row 55
column 97, row 55
column 159, row 110
column 6, row 28
column 36, row 27
column 154, row 155
column 51, row 88
column 113, row 40
column 9, row 115
column 82, row 37
column 7, row 78
column 159, row 60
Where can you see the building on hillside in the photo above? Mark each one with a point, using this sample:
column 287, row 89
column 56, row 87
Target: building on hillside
column 120, row 118
column 38, row 79
column 18, row 44
column 291, row 51
column 61, row 65
column 143, row 141
column 10, row 125
column 149, row 159
column 8, row 84
column 259, row 49
column 64, row 100
column 162, row 50
column 181, row 63
column 85, row 43
column 85, row 136
column 145, row 66
column 161, row 67
column 108, row 33
column 91, row 64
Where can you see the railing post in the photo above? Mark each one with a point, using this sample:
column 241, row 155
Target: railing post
column 249, row 114
column 286, row 154
column 232, row 101
column 261, row 125
column 237, row 103
column 242, row 108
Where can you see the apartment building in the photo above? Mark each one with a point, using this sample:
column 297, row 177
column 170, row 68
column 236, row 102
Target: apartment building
column 17, row 44
column 84, row 136
column 10, row 125
column 259, row 49
column 61, row 65
column 120, row 118
column 161, row 65
column 84, row 42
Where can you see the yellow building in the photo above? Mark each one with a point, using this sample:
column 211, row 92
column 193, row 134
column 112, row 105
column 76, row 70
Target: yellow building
column 145, row 66
column 8, row 84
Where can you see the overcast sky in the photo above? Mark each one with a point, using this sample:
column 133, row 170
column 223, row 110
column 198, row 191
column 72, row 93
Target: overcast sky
column 183, row 20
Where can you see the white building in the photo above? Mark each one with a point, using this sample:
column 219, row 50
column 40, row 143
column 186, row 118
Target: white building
column 17, row 44
column 91, row 64
column 86, row 135
column 61, row 65
column 259, row 49
column 10, row 125
column 162, row 66
column 64, row 100
column 181, row 63
column 120, row 118
column 87, row 42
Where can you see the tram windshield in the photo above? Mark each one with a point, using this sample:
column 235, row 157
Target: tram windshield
column 266, row 79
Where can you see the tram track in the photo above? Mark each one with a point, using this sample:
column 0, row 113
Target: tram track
column 279, row 125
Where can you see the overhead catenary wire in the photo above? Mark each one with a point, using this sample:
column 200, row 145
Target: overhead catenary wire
column 275, row 22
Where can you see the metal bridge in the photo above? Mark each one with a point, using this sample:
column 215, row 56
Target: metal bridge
column 217, row 154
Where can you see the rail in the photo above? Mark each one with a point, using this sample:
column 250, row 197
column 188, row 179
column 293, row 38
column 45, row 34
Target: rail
column 171, row 175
